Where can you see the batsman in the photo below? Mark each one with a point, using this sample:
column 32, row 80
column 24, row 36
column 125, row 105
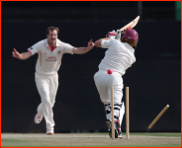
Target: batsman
column 119, row 56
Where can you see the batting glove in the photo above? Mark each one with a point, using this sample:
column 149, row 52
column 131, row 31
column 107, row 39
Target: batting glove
column 118, row 35
column 111, row 34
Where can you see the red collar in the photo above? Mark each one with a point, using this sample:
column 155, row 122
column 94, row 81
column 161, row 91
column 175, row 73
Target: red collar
column 52, row 48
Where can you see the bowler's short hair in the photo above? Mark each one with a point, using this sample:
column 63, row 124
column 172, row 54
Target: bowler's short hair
column 52, row 28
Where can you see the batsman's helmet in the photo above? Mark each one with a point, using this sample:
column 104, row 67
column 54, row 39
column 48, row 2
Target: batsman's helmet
column 131, row 34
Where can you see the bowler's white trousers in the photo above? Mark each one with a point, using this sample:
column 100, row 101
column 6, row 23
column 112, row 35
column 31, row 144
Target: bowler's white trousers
column 47, row 86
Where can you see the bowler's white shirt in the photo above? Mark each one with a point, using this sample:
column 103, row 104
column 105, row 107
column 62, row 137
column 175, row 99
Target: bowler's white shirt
column 48, row 61
column 119, row 56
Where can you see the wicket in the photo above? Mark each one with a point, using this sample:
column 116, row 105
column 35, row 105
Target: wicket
column 112, row 112
column 157, row 117
column 127, row 112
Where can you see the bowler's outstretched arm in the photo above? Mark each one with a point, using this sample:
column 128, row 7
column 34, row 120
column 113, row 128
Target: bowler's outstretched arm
column 21, row 56
column 82, row 50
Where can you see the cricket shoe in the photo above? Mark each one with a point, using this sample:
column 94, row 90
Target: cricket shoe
column 118, row 127
column 117, row 130
column 50, row 131
column 37, row 119
column 119, row 133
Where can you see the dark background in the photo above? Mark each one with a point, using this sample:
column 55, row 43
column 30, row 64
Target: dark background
column 154, row 80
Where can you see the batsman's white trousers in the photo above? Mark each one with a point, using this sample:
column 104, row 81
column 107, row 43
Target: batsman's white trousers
column 47, row 86
column 104, row 82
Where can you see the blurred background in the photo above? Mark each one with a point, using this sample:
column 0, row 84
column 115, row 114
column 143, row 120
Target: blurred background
column 154, row 80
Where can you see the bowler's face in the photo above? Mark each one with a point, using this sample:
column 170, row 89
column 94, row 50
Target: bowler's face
column 52, row 36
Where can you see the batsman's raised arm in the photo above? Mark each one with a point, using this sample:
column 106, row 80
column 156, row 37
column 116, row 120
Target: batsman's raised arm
column 21, row 56
column 83, row 50
column 98, row 42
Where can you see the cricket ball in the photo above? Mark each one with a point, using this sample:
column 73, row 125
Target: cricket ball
column 109, row 71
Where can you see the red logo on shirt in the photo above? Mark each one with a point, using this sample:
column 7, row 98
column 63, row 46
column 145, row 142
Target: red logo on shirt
column 51, row 59
column 59, row 52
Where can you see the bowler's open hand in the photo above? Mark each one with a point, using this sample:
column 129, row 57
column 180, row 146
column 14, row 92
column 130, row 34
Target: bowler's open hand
column 16, row 54
column 90, row 45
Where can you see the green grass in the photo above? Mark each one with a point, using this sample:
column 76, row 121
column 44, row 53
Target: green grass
column 14, row 142
column 158, row 134
column 28, row 142
column 144, row 134
column 165, row 145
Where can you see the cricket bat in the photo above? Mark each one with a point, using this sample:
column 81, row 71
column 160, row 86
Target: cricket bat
column 130, row 25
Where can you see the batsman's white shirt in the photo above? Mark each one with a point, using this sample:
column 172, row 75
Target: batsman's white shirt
column 46, row 77
column 119, row 56
column 48, row 61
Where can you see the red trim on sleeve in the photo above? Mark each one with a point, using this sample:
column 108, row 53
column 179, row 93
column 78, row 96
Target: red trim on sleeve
column 29, row 51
